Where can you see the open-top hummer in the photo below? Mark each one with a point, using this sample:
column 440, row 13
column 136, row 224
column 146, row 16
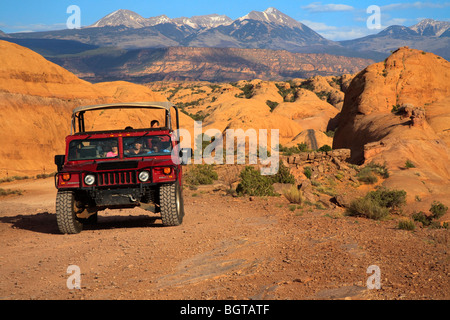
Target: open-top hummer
column 116, row 169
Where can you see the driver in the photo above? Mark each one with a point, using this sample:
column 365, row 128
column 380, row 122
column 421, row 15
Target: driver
column 136, row 148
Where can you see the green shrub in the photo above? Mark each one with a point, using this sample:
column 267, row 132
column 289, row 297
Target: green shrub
column 392, row 199
column 248, row 91
column 367, row 174
column 307, row 172
column 254, row 184
column 438, row 210
column 422, row 218
column 377, row 204
column 409, row 164
column 330, row 133
column 367, row 207
column 293, row 195
column 287, row 151
column 272, row 104
column 283, row 175
column 406, row 224
column 201, row 174
column 325, row 148
column 5, row 192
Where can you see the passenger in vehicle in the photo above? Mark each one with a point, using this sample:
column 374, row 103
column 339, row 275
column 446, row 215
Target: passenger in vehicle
column 154, row 124
column 136, row 148
column 157, row 146
column 114, row 151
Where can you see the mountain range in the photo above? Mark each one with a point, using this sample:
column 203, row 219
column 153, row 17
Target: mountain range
column 123, row 33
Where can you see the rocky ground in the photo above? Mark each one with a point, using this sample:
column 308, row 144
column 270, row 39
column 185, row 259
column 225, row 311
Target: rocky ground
column 258, row 248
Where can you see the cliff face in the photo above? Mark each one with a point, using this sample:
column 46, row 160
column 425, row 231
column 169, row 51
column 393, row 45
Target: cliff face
column 398, row 110
column 209, row 64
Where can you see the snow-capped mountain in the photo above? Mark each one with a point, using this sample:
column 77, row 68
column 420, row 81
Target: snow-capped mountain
column 131, row 19
column 430, row 27
column 206, row 21
column 121, row 17
column 272, row 15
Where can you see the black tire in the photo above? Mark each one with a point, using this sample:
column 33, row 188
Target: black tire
column 171, row 202
column 65, row 213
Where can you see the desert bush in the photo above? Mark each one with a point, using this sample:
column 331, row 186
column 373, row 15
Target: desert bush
column 367, row 174
column 378, row 204
column 287, row 151
column 254, row 184
column 272, row 104
column 409, row 164
column 367, row 207
column 421, row 217
column 248, row 91
column 392, row 199
column 201, row 174
column 45, row 175
column 325, row 148
column 438, row 209
column 293, row 195
column 283, row 175
column 406, row 224
column 307, row 172
column 5, row 192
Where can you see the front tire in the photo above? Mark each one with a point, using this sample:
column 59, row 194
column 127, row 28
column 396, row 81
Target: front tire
column 171, row 202
column 65, row 213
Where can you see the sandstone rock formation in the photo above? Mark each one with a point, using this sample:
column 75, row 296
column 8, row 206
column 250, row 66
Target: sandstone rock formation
column 398, row 110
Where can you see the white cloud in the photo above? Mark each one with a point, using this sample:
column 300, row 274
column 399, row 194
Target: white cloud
column 317, row 26
column 415, row 5
column 338, row 33
column 347, row 33
column 319, row 7
column 35, row 27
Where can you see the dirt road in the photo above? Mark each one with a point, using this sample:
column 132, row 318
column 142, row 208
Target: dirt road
column 227, row 248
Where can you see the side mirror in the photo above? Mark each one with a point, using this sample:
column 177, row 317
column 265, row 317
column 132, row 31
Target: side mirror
column 59, row 161
column 185, row 155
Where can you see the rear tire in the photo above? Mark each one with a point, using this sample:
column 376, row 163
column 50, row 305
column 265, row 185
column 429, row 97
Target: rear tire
column 171, row 202
column 65, row 213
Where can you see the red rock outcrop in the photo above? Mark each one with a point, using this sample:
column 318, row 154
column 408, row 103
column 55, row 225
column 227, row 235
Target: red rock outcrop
column 399, row 110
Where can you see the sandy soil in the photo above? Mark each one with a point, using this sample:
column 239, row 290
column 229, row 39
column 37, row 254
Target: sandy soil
column 227, row 248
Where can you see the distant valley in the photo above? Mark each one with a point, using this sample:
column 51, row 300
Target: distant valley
column 204, row 64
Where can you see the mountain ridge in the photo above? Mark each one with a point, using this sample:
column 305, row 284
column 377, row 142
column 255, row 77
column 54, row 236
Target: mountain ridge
column 125, row 31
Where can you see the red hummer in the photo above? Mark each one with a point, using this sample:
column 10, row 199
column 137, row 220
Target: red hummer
column 116, row 169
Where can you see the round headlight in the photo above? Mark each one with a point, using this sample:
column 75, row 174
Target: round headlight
column 144, row 176
column 89, row 179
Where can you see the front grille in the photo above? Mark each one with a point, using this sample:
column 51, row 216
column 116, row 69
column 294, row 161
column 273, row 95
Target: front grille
column 116, row 178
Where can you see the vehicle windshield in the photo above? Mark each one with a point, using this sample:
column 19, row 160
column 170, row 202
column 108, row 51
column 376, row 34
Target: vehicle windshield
column 147, row 146
column 86, row 149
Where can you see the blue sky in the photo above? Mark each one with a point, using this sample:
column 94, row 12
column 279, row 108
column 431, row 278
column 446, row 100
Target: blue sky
column 335, row 19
